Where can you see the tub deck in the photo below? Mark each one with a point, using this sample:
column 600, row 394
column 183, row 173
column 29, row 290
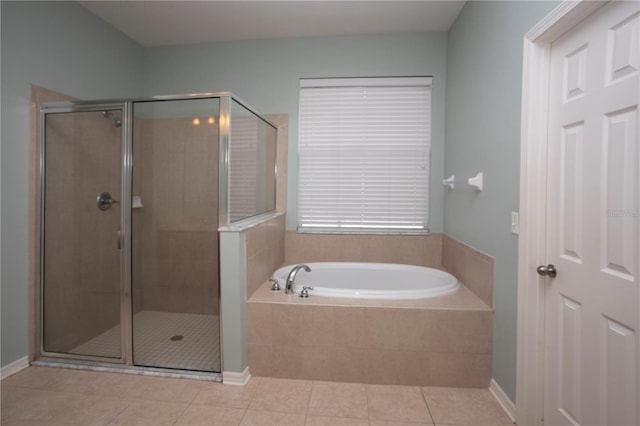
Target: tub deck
column 440, row 341
column 463, row 298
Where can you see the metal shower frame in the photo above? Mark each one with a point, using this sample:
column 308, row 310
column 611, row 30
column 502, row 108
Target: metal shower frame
column 126, row 108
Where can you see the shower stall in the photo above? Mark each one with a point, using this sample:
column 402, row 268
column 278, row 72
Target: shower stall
column 132, row 196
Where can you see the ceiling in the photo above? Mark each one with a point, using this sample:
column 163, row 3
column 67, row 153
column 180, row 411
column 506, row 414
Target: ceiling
column 161, row 23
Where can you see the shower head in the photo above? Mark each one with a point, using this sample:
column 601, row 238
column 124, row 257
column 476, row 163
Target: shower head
column 117, row 121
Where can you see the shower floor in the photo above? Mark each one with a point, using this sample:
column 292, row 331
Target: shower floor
column 157, row 342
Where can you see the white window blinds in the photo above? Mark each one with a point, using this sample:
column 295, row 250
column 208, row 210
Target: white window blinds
column 363, row 152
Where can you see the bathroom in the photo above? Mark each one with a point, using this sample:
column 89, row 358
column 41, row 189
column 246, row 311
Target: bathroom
column 476, row 66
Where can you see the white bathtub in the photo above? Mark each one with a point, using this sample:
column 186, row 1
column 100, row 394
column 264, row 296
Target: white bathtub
column 370, row 280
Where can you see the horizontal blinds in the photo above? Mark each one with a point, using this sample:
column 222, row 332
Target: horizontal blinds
column 364, row 156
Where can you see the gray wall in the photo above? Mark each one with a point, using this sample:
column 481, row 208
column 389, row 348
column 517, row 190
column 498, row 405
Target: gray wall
column 63, row 47
column 484, row 85
column 266, row 73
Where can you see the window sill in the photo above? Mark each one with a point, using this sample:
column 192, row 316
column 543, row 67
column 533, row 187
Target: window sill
column 362, row 232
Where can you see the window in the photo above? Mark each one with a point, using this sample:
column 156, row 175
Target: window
column 363, row 149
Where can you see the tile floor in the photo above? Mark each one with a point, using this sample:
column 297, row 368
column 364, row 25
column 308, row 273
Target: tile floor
column 57, row 396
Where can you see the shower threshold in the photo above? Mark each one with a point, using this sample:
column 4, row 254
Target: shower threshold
column 127, row 369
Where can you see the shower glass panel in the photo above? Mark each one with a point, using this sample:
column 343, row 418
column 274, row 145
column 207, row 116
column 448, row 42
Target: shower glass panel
column 175, row 288
column 252, row 159
column 81, row 241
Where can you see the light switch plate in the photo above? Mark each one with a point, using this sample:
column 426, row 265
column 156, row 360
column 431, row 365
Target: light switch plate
column 515, row 223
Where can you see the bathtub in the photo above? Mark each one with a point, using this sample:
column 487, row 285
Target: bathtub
column 370, row 280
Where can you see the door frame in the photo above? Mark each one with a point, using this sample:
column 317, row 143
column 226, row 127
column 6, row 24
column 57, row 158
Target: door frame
column 533, row 183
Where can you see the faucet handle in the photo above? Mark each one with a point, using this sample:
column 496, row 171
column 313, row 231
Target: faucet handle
column 276, row 285
column 305, row 291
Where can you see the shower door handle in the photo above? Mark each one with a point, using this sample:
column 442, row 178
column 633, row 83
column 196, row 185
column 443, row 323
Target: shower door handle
column 105, row 200
column 119, row 235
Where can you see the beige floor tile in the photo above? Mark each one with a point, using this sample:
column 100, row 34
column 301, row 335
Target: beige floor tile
column 397, row 404
column 34, row 406
column 221, row 395
column 269, row 418
column 90, row 382
column 208, row 415
column 281, row 395
column 174, row 390
column 20, row 405
column 88, row 410
column 65, row 397
column 152, row 413
column 35, row 378
column 460, row 406
column 335, row 421
column 27, row 423
column 118, row 385
column 338, row 400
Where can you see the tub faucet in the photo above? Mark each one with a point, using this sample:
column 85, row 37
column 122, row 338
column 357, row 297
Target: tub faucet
column 292, row 276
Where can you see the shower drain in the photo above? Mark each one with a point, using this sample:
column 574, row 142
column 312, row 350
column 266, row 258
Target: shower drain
column 177, row 338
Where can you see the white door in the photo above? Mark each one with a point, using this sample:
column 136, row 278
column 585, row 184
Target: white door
column 592, row 321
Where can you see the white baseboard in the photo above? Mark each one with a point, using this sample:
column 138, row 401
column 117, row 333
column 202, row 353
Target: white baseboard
column 12, row 368
column 502, row 398
column 236, row 379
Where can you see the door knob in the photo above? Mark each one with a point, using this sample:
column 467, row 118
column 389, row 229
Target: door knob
column 548, row 270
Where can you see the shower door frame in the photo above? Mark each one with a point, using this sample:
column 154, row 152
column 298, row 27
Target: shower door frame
column 125, row 226
column 126, row 321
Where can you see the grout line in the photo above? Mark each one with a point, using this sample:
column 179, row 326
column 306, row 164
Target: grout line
column 181, row 413
column 252, row 395
column 189, row 404
column 366, row 395
column 306, row 413
column 424, row 397
column 129, row 402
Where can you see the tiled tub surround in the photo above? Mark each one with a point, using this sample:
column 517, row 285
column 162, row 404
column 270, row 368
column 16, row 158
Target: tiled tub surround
column 442, row 341
column 470, row 266
column 265, row 251
column 420, row 250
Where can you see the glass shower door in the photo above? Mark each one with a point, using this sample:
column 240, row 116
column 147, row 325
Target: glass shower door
column 175, row 289
column 81, row 241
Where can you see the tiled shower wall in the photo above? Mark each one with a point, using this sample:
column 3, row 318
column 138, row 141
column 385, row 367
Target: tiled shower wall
column 175, row 247
column 81, row 257
column 177, row 256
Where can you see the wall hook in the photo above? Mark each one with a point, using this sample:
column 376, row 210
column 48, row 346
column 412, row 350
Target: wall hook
column 476, row 181
column 450, row 182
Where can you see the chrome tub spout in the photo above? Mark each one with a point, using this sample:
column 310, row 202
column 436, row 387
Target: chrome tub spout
column 292, row 276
